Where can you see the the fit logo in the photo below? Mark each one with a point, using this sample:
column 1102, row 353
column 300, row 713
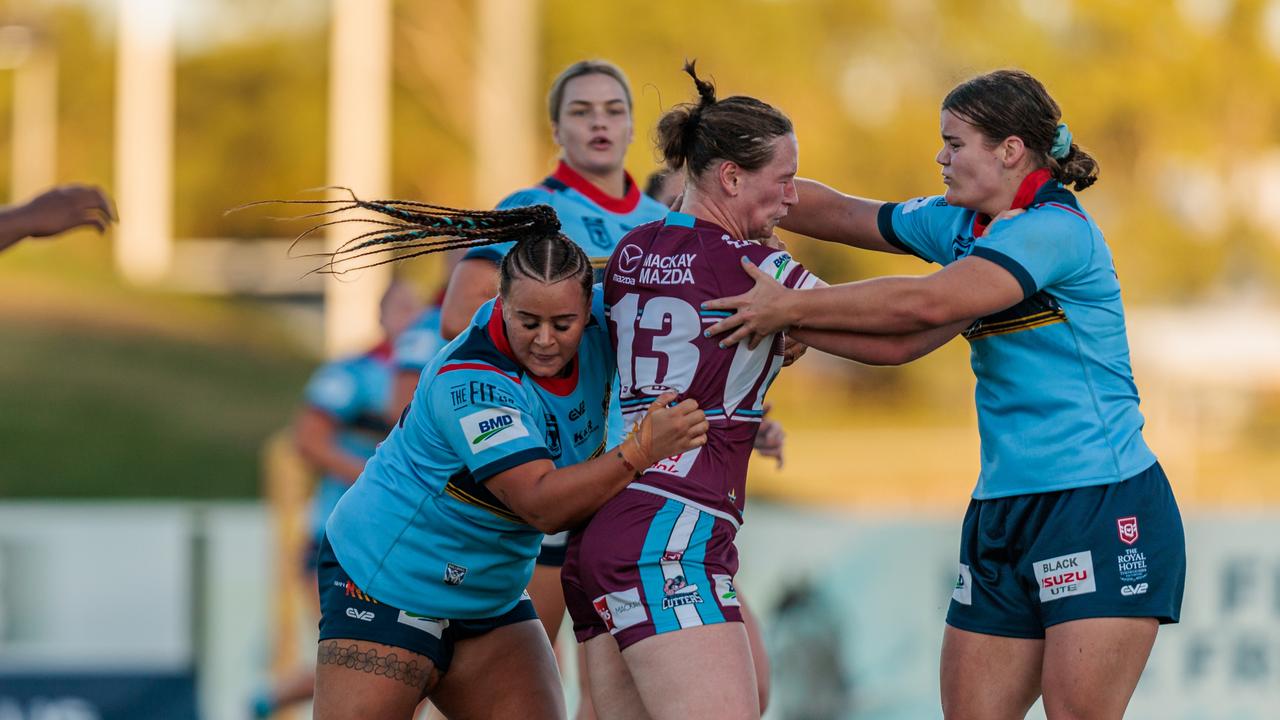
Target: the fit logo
column 963, row 592
column 1128, row 527
column 620, row 610
column 430, row 626
column 364, row 615
column 1065, row 576
column 1130, row 590
column 492, row 427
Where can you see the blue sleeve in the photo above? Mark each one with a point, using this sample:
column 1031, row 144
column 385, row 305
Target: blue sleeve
column 486, row 419
column 520, row 198
column 924, row 227
column 335, row 390
column 1040, row 248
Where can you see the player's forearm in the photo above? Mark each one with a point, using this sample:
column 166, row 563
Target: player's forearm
column 567, row 497
column 332, row 461
column 878, row 349
column 13, row 226
column 886, row 305
column 827, row 214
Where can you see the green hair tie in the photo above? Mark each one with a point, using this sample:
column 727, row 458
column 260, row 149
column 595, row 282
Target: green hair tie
column 1061, row 142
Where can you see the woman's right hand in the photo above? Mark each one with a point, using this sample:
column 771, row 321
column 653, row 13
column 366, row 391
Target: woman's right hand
column 667, row 431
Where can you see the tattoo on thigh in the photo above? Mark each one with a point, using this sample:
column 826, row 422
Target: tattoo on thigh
column 412, row 672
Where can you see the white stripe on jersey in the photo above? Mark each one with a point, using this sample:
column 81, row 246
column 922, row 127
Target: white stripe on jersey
column 677, row 544
column 744, row 372
column 672, row 496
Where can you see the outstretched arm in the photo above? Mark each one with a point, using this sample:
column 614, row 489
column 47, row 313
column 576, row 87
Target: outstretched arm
column 55, row 211
column 827, row 214
column 880, row 349
column 965, row 290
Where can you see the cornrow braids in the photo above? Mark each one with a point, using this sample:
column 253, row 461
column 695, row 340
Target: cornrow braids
column 406, row 229
column 548, row 259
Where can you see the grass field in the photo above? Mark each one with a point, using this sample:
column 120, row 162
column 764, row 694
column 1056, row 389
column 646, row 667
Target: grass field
column 107, row 391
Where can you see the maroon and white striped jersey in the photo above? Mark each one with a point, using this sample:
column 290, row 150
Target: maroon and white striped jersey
column 654, row 287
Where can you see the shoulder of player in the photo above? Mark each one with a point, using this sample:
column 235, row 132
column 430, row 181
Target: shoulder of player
column 1055, row 216
column 536, row 195
column 648, row 207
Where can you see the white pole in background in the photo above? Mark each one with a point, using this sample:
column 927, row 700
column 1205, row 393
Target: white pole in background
column 359, row 158
column 506, row 95
column 35, row 121
column 144, row 139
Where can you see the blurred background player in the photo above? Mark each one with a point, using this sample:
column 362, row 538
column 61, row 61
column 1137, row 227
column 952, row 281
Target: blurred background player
column 336, row 432
column 55, row 211
column 411, row 352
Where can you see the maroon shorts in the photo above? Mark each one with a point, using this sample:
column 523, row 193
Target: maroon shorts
column 683, row 576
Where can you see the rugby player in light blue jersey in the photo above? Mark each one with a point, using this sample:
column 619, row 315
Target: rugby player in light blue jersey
column 425, row 561
column 1072, row 552
column 597, row 201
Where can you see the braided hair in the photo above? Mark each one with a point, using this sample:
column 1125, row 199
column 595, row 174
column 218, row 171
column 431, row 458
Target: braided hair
column 406, row 229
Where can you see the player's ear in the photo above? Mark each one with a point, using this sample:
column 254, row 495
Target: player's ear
column 730, row 177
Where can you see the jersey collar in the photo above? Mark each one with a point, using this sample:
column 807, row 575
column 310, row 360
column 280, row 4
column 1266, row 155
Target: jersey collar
column 1022, row 199
column 561, row 385
column 569, row 177
column 381, row 351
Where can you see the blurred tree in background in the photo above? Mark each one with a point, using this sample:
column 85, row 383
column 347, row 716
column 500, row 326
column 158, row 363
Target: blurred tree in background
column 1179, row 100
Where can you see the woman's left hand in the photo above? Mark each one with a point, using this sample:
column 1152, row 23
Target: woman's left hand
column 757, row 313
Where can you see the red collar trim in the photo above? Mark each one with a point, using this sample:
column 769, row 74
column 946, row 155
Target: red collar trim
column 621, row 205
column 381, row 351
column 1031, row 185
column 561, row 385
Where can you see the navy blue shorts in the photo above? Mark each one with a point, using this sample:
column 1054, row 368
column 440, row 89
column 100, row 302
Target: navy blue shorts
column 1028, row 562
column 346, row 612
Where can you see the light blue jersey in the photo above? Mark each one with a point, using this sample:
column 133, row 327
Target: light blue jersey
column 354, row 392
column 419, row 530
column 417, row 346
column 1057, row 405
column 593, row 220
column 589, row 217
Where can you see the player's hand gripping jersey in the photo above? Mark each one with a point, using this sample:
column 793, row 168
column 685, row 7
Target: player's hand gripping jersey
column 655, row 285
column 1057, row 405
column 419, row 530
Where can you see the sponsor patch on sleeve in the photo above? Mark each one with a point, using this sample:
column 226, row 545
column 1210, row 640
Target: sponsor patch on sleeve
column 492, row 427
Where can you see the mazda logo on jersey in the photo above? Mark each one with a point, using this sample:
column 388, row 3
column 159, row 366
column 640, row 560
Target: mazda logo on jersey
column 629, row 258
